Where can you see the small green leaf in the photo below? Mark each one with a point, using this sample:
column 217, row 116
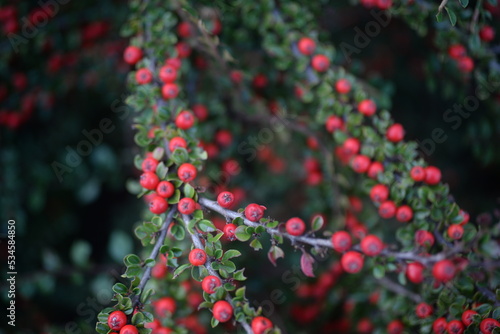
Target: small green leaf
column 241, row 233
column 189, row 190
column 230, row 254
column 214, row 322
column 131, row 259
column 256, row 244
column 464, row 3
column 452, row 16
column 239, row 276
column 317, row 223
column 180, row 269
column 206, row 225
column 178, row 232
column 379, row 271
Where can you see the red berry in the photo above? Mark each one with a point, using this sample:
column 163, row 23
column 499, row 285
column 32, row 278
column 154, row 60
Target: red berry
column 225, row 199
column 183, row 49
column 457, row 51
column 423, row 310
column 455, row 231
column 143, row 76
column 379, row 193
column 365, row 326
column 116, row 320
column 169, row 91
column 132, row 55
column 487, row 33
column 176, row 142
column 355, row 203
column 200, row 111
column 165, row 306
column 261, row 324
column 254, row 212
column 149, row 180
column 209, row 283
column 156, row 324
column 343, row 86
column 222, row 311
column 341, row 241
column 465, row 215
column 444, row 271
column 149, row 165
column 387, row 209
column 175, row 62
column 259, row 81
column 320, row 63
column 424, row 238
column 185, row 120
column 415, row 272
column 404, row 214
column 168, row 73
column 367, row 107
column 455, row 327
column 334, row 123
column 432, row 175
column 368, row 3
column 371, row 245
column 468, row 317
column 187, row 172
column 395, row 327
column 197, row 257
column 158, row 205
column 360, row 163
column 186, row 206
column 295, row 226
column 184, row 29
column 306, row 46
column 224, row 138
column 352, row 262
column 488, row 325
column 165, row 189
column 236, row 76
column 129, row 329
column 159, row 270
column 375, row 169
column 439, row 326
column 351, row 146
column 229, row 232
column 465, row 64
column 395, row 133
column 384, row 4
column 417, row 173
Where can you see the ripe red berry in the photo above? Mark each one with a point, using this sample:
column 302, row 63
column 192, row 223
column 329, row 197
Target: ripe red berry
column 351, row 146
column 364, row 326
column 457, row 51
column 175, row 62
column 395, row 327
column 488, row 325
column 222, row 311
column 367, row 107
column 387, row 209
column 439, row 326
column 187, row 172
column 259, row 81
column 129, row 329
column 224, row 138
column 183, row 49
column 455, row 327
column 295, row 226
column 465, row 64
column 343, row 86
column 395, row 133
column 404, row 214
column 168, row 73
column 423, row 310
column 229, row 232
column 165, row 189
column 185, row 120
column 455, row 231
column 236, row 76
column 209, row 283
column 320, row 63
column 254, row 212
column 355, row 204
column 468, row 317
column 149, row 165
column 176, row 142
column 424, row 238
column 225, row 199
column 143, row 76
column 334, row 123
column 417, row 173
column 432, row 175
column 415, row 272
column 371, row 245
column 149, row 180
column 360, row 163
column 261, row 324
column 116, row 320
column 306, row 46
column 169, row 91
column 200, row 111
column 186, row 206
column 465, row 216
column 159, row 270
column 132, row 54
column 158, row 205
column 375, row 169
column 352, row 262
column 444, row 271
column 384, row 4
column 197, row 257
column 379, row 193
column 341, row 241
column 184, row 29
column 165, row 306
column 487, row 33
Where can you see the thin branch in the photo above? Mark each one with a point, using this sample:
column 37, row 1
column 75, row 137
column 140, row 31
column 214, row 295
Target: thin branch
column 198, row 244
column 442, row 5
column 475, row 16
column 399, row 289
